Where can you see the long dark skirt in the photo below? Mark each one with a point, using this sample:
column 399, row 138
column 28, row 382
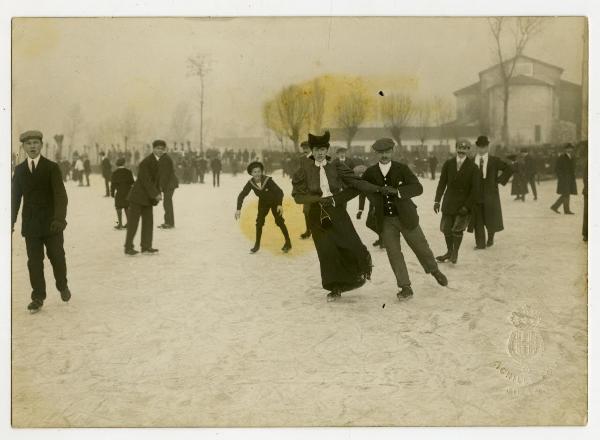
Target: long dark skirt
column 345, row 261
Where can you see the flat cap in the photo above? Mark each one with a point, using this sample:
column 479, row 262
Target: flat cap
column 383, row 144
column 31, row 134
column 159, row 143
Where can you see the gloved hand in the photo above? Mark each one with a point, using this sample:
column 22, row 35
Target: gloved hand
column 388, row 190
column 436, row 207
column 358, row 215
column 57, row 226
column 326, row 201
column 463, row 210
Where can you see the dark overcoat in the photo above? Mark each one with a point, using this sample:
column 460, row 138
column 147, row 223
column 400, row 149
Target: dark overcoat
column 146, row 187
column 458, row 187
column 44, row 197
column 565, row 174
column 498, row 172
column 120, row 185
column 166, row 173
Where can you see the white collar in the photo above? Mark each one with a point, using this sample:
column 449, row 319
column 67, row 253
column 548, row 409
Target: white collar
column 485, row 156
column 157, row 158
column 35, row 161
column 321, row 164
column 385, row 168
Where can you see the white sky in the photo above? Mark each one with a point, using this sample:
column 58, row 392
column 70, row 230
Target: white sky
column 108, row 65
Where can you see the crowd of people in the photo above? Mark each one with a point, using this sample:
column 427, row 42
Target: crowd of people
column 323, row 181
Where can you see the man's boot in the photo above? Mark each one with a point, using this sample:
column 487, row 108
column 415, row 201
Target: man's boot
column 288, row 244
column 457, row 239
column 448, row 254
column 257, row 242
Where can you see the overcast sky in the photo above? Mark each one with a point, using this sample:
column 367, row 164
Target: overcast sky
column 109, row 65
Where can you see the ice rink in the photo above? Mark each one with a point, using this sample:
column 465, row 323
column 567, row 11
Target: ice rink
column 205, row 334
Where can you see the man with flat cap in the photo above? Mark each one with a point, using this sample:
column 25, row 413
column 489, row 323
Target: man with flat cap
column 38, row 181
column 458, row 184
column 396, row 215
column 340, row 154
column 487, row 211
column 145, row 193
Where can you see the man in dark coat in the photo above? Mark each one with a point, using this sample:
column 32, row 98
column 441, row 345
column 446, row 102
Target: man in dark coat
column 201, row 165
column 144, row 194
column 340, row 154
column 396, row 215
column 87, row 169
column 487, row 212
column 433, row 163
column 168, row 183
column 106, row 172
column 530, row 170
column 459, row 183
column 39, row 183
column 566, row 183
column 216, row 166
column 121, row 182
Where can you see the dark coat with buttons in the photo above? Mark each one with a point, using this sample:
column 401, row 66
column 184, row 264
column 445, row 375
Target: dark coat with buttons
column 44, row 197
column 565, row 174
column 458, row 187
column 146, row 187
column 402, row 178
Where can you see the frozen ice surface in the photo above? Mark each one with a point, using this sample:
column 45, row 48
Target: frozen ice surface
column 205, row 334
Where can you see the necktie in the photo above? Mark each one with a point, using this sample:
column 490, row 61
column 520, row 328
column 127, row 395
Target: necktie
column 32, row 167
column 481, row 167
column 323, row 182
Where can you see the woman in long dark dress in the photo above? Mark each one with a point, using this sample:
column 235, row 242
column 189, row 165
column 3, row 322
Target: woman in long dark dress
column 325, row 186
column 120, row 184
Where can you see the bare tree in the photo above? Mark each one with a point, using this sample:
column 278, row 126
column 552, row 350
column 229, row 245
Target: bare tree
column 317, row 105
column 442, row 114
column 423, row 119
column 351, row 112
column 396, row 110
column 73, row 125
column 181, row 122
column 198, row 65
column 293, row 107
column 522, row 30
column 273, row 121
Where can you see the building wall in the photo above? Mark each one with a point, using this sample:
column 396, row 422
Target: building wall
column 467, row 107
column 528, row 106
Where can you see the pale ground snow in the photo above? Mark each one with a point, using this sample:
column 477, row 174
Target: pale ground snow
column 205, row 334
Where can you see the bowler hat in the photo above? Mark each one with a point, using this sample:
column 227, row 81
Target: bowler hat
column 253, row 165
column 159, row 143
column 318, row 141
column 383, row 144
column 30, row 134
column 482, row 141
column 341, row 149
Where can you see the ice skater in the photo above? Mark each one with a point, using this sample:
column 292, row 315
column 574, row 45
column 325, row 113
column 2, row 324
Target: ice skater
column 270, row 198
column 144, row 194
column 565, row 180
column 168, row 183
column 487, row 212
column 121, row 182
column 39, row 183
column 458, row 184
column 344, row 260
column 396, row 215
